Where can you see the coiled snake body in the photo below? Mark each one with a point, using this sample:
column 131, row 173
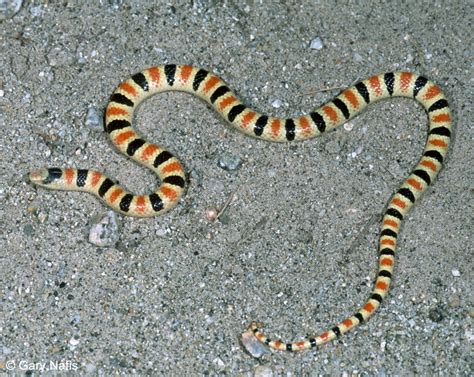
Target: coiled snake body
column 211, row 88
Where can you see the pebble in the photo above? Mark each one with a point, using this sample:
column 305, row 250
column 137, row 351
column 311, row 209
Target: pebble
column 229, row 162
column 469, row 334
column 357, row 152
column 73, row 341
column 316, row 44
column 455, row 301
column 263, row 371
column 36, row 11
column 455, row 272
column 58, row 57
column 8, row 8
column 219, row 363
column 92, row 118
column 252, row 345
column 42, row 217
column 211, row 214
column 277, row 104
column 358, row 58
column 115, row 3
column 90, row 368
column 28, row 230
column 75, row 319
column 163, row 232
column 436, row 314
column 348, row 126
column 105, row 230
column 332, row 147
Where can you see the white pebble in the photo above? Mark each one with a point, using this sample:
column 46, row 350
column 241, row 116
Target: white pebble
column 469, row 334
column 456, row 273
column 73, row 341
column 348, row 126
column 9, row 8
column 90, row 368
column 276, row 104
column 105, row 230
column 36, row 11
column 219, row 363
column 263, row 371
column 253, row 345
column 316, row 44
column 92, row 118
column 162, row 232
column 211, row 214
column 2, row 93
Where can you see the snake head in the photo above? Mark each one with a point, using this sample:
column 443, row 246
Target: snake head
column 46, row 177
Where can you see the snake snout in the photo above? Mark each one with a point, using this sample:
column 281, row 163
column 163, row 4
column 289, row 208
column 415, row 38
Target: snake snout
column 38, row 176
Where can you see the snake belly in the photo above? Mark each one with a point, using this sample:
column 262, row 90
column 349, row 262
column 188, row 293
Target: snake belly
column 212, row 89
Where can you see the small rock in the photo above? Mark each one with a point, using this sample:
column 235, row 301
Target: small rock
column 115, row 3
column 58, row 57
column 253, row 345
column 8, row 8
column 75, row 319
column 348, row 126
column 357, row 152
column 92, row 118
column 73, row 341
column 277, row 104
column 455, row 272
column 358, row 58
column 455, row 301
column 316, row 44
column 211, row 214
column 28, row 230
column 90, row 368
column 36, row 11
column 42, row 217
column 469, row 334
column 229, row 162
column 332, row 147
column 219, row 363
column 105, row 230
column 263, row 371
column 436, row 314
column 162, row 232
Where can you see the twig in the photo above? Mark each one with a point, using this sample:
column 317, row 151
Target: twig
column 226, row 204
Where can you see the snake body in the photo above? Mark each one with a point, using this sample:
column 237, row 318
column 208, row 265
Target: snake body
column 212, row 89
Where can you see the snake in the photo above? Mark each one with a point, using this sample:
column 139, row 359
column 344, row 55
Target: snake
column 213, row 90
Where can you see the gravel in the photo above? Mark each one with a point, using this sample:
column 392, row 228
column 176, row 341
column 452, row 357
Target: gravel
column 296, row 245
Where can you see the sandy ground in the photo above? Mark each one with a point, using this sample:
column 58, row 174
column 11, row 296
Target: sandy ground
column 295, row 248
